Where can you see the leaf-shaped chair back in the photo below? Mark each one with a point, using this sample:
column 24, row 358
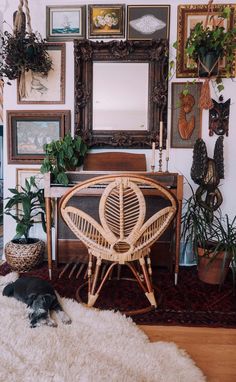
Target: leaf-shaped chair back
column 122, row 235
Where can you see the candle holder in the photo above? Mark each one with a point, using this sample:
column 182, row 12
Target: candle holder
column 160, row 159
column 153, row 168
column 167, row 163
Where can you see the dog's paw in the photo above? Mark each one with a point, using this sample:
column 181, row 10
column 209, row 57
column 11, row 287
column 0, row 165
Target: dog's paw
column 51, row 323
column 66, row 320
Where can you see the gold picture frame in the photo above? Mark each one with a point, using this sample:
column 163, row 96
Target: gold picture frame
column 188, row 16
column 106, row 21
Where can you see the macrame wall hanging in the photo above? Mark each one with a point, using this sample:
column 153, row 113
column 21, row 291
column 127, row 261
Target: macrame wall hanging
column 210, row 70
column 23, row 50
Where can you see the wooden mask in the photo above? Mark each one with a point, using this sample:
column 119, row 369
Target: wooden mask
column 219, row 117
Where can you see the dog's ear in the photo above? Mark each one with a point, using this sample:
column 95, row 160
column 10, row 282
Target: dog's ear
column 30, row 299
column 49, row 299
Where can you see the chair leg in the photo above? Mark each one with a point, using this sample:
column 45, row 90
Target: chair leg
column 150, row 294
column 92, row 296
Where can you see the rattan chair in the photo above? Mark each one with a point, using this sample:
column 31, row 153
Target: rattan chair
column 121, row 236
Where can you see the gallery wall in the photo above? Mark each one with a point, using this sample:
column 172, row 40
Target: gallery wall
column 180, row 159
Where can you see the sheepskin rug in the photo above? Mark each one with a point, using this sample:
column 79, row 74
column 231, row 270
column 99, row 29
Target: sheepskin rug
column 97, row 346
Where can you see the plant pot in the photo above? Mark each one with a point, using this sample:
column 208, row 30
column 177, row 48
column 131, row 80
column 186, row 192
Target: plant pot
column 24, row 257
column 208, row 65
column 211, row 271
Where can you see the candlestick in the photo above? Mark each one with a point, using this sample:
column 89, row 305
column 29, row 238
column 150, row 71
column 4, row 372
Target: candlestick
column 161, row 134
column 153, row 154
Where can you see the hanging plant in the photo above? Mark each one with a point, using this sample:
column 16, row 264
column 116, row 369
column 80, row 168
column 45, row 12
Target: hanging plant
column 23, row 50
column 23, row 53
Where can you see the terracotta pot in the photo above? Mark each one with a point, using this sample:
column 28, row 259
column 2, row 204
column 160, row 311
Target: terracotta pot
column 211, row 272
column 24, row 257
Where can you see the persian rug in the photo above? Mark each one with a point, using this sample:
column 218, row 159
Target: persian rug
column 190, row 303
column 97, row 346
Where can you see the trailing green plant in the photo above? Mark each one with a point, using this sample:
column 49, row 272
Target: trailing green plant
column 24, row 207
column 23, row 52
column 63, row 155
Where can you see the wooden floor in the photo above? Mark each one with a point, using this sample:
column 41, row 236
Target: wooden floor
column 213, row 350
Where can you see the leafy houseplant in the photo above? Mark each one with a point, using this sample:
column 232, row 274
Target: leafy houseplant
column 213, row 239
column 206, row 46
column 63, row 155
column 24, row 252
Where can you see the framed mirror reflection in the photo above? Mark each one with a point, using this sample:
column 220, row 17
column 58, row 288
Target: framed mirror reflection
column 120, row 92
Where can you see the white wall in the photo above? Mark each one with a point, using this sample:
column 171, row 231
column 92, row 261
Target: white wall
column 180, row 160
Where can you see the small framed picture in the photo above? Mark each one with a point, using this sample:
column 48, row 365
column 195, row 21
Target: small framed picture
column 148, row 22
column 49, row 89
column 29, row 130
column 65, row 23
column 186, row 118
column 106, row 21
column 23, row 174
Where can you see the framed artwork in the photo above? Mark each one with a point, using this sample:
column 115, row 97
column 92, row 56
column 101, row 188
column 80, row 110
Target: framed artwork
column 188, row 17
column 29, row 130
column 106, row 21
column 49, row 89
column 186, row 118
column 148, row 22
column 65, row 23
column 23, row 174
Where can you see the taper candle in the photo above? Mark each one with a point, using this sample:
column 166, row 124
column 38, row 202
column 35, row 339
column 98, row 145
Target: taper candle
column 153, row 153
column 161, row 134
column 167, row 149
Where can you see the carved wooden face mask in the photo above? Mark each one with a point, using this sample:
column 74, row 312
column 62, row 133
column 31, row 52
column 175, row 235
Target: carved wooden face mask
column 219, row 118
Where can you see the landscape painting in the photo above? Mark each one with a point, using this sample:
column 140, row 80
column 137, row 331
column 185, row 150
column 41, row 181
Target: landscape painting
column 64, row 23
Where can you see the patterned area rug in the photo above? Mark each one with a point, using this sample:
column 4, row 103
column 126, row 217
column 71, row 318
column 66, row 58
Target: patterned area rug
column 190, row 303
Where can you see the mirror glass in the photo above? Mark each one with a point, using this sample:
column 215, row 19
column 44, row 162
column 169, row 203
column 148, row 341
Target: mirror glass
column 120, row 96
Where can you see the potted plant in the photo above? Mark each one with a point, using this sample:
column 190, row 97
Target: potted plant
column 213, row 240
column 25, row 206
column 207, row 46
column 63, row 155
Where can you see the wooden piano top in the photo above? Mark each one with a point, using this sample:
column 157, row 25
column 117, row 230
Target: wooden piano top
column 172, row 181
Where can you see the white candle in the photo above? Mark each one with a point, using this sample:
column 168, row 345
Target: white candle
column 167, row 149
column 161, row 135
column 153, row 153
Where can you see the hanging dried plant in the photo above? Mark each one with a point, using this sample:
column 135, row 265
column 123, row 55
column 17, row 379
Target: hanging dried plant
column 22, row 52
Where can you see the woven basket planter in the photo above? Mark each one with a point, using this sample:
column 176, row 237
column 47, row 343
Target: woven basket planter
column 24, row 257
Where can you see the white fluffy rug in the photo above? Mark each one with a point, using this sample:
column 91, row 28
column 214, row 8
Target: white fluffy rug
column 97, row 346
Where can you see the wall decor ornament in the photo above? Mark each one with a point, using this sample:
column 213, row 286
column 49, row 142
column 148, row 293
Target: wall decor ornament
column 219, row 117
column 47, row 88
column 186, row 116
column 65, row 22
column 29, row 130
column 147, row 22
column 152, row 53
column 106, row 21
column 207, row 172
column 188, row 17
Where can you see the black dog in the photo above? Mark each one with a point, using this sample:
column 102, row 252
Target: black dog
column 40, row 297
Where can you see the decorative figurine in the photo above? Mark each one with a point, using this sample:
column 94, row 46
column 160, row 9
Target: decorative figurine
column 207, row 172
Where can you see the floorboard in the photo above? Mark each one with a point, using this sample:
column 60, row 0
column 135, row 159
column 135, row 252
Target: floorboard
column 213, row 349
